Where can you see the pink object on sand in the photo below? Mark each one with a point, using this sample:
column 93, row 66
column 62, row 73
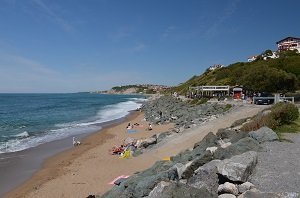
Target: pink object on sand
column 121, row 176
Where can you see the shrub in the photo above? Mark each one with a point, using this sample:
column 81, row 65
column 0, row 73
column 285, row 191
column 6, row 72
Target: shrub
column 281, row 113
column 284, row 113
column 258, row 122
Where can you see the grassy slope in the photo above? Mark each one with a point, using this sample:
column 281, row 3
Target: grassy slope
column 269, row 75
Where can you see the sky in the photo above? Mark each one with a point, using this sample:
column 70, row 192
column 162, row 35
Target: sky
column 62, row 46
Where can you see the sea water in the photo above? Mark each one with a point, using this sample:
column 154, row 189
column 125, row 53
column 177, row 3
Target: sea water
column 28, row 120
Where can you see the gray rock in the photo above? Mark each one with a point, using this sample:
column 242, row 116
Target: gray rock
column 180, row 190
column 231, row 134
column 199, row 148
column 195, row 164
column 206, row 176
column 147, row 142
column 237, row 148
column 245, row 186
column 157, row 191
column 163, row 135
column 228, row 188
column 263, row 134
column 238, row 168
column 208, row 166
column 142, row 184
column 180, row 168
column 227, row 196
column 178, row 111
column 278, row 167
column 254, row 193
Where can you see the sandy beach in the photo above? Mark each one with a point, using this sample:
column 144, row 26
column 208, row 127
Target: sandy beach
column 89, row 168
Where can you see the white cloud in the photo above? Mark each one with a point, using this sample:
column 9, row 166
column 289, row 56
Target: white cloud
column 52, row 14
column 122, row 33
column 168, row 31
column 215, row 27
column 139, row 47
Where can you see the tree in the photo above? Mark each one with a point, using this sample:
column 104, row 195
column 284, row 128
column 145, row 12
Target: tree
column 266, row 53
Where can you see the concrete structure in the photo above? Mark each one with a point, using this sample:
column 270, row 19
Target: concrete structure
column 203, row 91
column 289, row 43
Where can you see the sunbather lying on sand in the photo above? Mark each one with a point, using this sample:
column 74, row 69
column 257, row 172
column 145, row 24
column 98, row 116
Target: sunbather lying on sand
column 117, row 150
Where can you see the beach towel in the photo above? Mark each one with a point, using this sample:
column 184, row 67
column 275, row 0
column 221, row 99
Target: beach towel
column 126, row 154
column 131, row 131
column 166, row 159
column 117, row 178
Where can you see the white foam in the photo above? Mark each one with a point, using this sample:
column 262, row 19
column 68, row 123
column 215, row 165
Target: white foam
column 18, row 144
column 112, row 112
column 22, row 135
column 108, row 113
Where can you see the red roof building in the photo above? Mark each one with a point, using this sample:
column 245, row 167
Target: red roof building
column 289, row 43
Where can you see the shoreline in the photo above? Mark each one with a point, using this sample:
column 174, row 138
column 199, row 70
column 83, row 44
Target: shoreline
column 56, row 165
column 18, row 167
column 90, row 172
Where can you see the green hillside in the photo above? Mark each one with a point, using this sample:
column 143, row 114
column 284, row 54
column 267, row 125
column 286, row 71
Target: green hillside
column 272, row 75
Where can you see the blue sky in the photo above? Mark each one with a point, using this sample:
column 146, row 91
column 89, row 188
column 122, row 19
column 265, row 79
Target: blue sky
column 86, row 45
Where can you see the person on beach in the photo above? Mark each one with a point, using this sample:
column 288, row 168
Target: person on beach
column 129, row 126
column 75, row 142
column 150, row 127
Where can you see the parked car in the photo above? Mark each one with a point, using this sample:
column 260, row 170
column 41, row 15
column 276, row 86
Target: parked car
column 265, row 101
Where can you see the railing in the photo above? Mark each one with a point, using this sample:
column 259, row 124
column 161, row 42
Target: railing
column 211, row 88
column 281, row 99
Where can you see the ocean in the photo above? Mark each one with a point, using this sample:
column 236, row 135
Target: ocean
column 28, row 120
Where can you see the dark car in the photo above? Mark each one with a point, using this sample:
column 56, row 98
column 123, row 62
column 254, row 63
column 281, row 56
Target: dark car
column 264, row 99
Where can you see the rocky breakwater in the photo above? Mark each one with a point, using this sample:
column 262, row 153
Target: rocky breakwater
column 166, row 109
column 218, row 166
column 169, row 109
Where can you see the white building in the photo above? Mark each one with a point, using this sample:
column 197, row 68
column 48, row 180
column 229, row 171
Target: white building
column 252, row 58
column 217, row 66
column 274, row 55
column 289, row 43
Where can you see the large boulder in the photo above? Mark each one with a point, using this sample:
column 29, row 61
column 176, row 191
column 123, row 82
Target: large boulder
column 254, row 193
column 228, row 188
column 227, row 196
column 163, row 135
column 231, row 134
column 241, row 146
column 199, row 148
column 239, row 167
column 180, row 190
column 245, row 186
column 264, row 134
column 147, row 142
column 206, row 176
column 157, row 191
column 188, row 169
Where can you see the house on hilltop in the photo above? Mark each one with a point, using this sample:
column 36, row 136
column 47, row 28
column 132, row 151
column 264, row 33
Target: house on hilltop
column 289, row 43
column 252, row 58
column 216, row 66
